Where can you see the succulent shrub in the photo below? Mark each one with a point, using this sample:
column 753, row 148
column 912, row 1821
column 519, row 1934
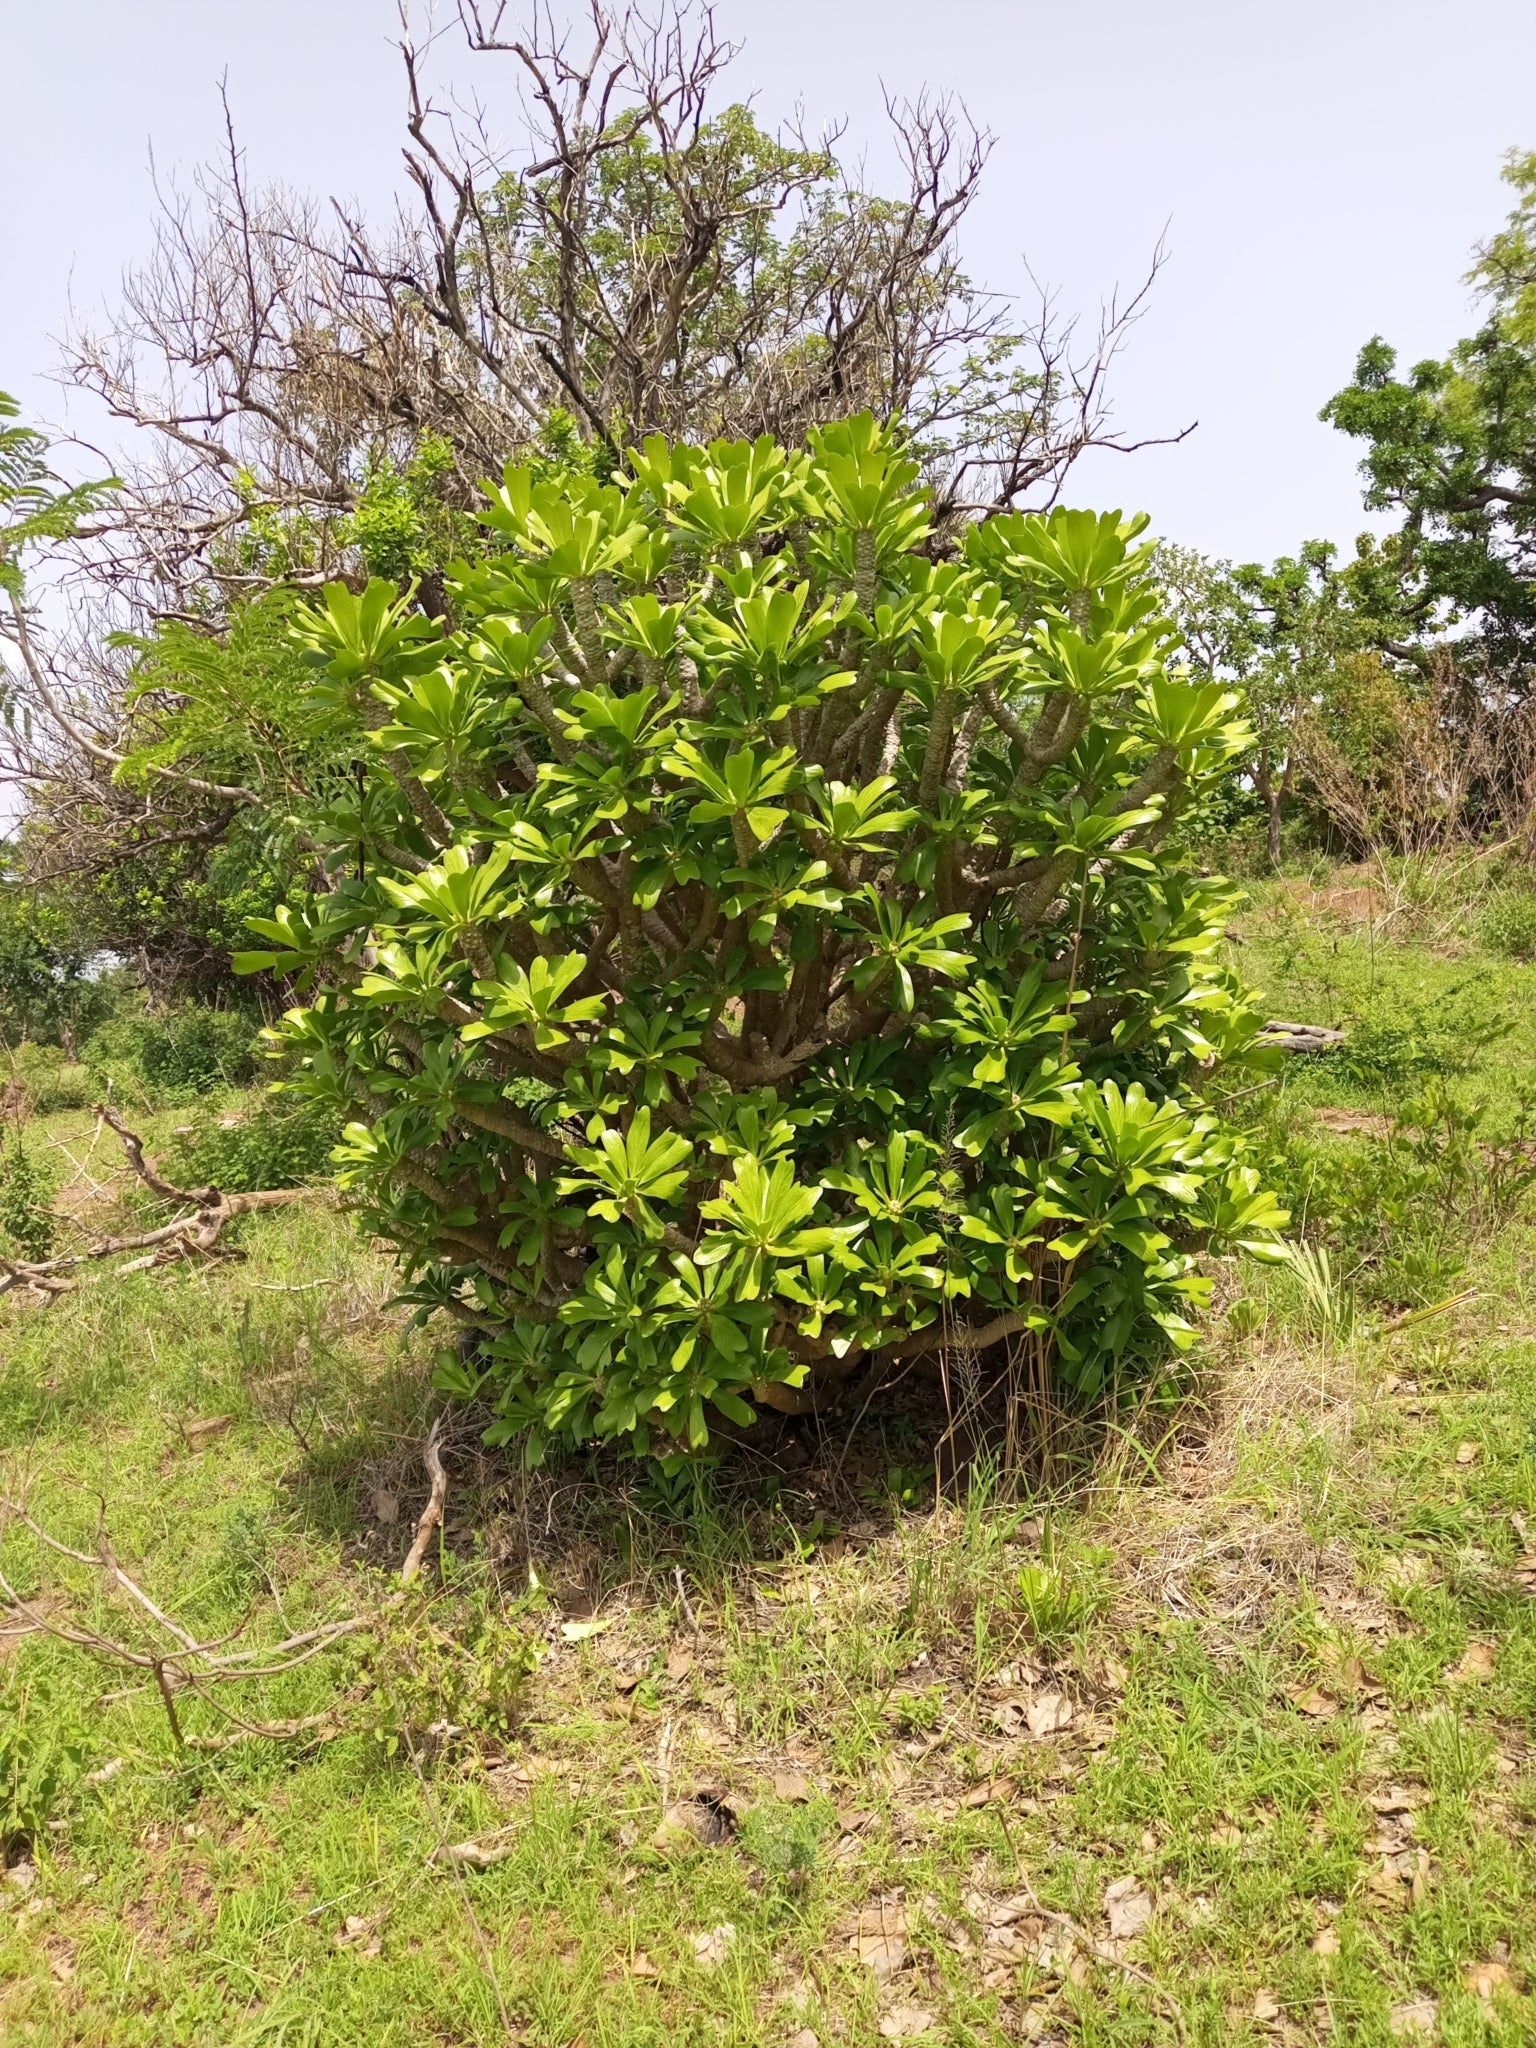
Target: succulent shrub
column 757, row 938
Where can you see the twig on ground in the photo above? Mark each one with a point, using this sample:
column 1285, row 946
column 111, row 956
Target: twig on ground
column 693, row 1619
column 185, row 1664
column 432, row 1513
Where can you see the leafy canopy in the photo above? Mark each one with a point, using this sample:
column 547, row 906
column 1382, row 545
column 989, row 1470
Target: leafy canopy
column 752, row 944
column 1451, row 446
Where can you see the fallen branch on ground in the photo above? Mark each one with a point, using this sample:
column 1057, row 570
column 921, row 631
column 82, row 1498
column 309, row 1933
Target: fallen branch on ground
column 1300, row 1037
column 432, row 1513
column 187, row 1236
column 178, row 1662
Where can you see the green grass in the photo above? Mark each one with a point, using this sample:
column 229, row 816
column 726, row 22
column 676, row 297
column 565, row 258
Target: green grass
column 1254, row 1644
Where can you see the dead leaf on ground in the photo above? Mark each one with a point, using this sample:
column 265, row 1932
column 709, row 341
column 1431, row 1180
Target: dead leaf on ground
column 1349, row 1674
column 1313, row 1701
column 806, row 2038
column 1396, row 1799
column 640, row 1965
column 361, row 1932
column 386, row 1507
column 995, row 1792
column 1266, row 2006
column 1487, row 1980
column 906, row 2023
column 203, row 1432
column 1049, row 1713
column 1416, row 2019
column 472, row 1855
column 704, row 1818
column 792, row 1785
column 711, row 1949
column 1227, row 1836
column 679, row 1662
column 583, row 1631
column 1386, row 1883
column 880, row 1940
column 1325, row 1943
column 1478, row 1662
column 1129, row 1907
column 1468, row 1453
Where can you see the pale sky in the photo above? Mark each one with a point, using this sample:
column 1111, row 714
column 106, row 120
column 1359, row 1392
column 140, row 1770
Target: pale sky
column 1322, row 169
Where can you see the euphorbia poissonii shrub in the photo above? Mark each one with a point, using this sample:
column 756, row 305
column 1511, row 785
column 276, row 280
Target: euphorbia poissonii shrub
column 760, row 939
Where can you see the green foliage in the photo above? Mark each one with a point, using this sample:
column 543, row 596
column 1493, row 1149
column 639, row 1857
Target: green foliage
column 401, row 527
column 26, row 1227
column 1298, row 640
column 42, row 1755
column 1401, row 1211
column 784, row 1841
column 51, row 988
column 772, row 945
column 462, row 1669
column 1057, row 1601
column 1451, row 446
column 35, row 505
column 51, row 1081
column 1408, row 1038
column 174, row 1055
column 1508, row 924
column 278, row 1144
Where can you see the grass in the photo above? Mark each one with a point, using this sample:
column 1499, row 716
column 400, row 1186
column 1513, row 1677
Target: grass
column 1275, row 1682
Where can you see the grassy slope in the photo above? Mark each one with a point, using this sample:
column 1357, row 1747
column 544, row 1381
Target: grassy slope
column 1318, row 1605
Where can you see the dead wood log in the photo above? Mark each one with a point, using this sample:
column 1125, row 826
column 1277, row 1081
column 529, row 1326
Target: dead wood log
column 1300, row 1037
column 186, row 1236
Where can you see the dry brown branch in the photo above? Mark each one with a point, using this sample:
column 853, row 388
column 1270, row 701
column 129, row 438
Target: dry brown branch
column 182, row 1664
column 187, row 1236
column 432, row 1513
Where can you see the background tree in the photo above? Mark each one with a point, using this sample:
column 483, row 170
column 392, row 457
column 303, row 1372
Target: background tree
column 1292, row 638
column 313, row 395
column 1451, row 447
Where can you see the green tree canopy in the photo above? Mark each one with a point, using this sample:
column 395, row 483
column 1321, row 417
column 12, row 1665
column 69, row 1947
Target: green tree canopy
column 1451, row 447
column 753, row 946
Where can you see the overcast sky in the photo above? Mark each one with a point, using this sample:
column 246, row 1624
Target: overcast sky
column 1322, row 169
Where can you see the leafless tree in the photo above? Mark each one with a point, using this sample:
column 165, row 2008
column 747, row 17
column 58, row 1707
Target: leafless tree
column 647, row 259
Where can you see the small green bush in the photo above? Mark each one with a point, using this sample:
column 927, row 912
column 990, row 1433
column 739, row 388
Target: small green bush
column 1509, row 924
column 1400, row 1211
column 52, row 1081
column 1397, row 1039
column 26, row 1226
column 278, row 1144
column 41, row 1756
column 175, row 1055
